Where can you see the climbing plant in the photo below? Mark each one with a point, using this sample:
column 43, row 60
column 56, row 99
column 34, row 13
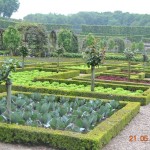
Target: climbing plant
column 36, row 37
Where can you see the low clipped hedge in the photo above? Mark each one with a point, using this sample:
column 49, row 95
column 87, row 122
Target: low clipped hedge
column 141, row 75
column 144, row 100
column 49, row 69
column 93, row 140
column 88, row 70
column 133, row 78
column 63, row 75
column 105, row 84
column 147, row 75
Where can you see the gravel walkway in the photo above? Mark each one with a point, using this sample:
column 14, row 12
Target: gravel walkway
column 137, row 129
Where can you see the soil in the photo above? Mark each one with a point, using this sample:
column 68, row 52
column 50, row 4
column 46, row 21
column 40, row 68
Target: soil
column 117, row 78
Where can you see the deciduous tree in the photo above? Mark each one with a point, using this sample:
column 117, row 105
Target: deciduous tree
column 8, row 7
column 129, row 54
column 11, row 39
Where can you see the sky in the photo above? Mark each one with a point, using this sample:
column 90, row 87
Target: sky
column 67, row 7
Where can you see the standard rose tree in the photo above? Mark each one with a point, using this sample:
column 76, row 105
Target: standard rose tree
column 93, row 56
column 8, row 66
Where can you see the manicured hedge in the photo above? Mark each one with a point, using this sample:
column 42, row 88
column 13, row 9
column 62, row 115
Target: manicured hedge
column 122, row 57
column 93, row 140
column 102, row 83
column 49, row 69
column 133, row 85
column 115, row 30
column 51, row 27
column 142, row 99
column 64, row 75
column 5, row 23
column 88, row 70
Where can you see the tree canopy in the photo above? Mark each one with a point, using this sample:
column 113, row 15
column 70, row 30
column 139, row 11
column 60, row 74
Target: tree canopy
column 12, row 39
column 117, row 18
column 8, row 7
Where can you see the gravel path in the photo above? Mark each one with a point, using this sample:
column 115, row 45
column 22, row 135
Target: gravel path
column 137, row 129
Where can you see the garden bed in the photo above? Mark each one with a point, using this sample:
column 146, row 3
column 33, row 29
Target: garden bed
column 84, row 69
column 94, row 139
column 53, row 112
column 117, row 78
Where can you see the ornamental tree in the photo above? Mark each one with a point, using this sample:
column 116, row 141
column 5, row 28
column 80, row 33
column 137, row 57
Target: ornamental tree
column 24, row 51
column 140, row 46
column 11, row 39
column 36, row 38
column 68, row 40
column 129, row 54
column 8, row 66
column 93, row 56
column 111, row 44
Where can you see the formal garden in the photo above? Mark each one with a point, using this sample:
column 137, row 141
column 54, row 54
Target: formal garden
column 65, row 93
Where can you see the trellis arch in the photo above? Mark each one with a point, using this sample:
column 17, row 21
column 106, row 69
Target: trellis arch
column 36, row 38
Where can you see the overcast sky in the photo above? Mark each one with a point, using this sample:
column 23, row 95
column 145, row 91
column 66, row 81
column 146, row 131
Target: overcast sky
column 73, row 6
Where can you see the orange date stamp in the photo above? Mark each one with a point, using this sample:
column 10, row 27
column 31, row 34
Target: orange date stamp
column 141, row 138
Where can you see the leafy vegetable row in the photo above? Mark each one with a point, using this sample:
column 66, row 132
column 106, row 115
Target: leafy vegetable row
column 30, row 75
column 77, row 115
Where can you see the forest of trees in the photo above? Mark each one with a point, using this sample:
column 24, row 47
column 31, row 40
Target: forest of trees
column 117, row 18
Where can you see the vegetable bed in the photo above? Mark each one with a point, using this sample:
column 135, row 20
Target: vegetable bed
column 94, row 139
column 117, row 78
column 77, row 115
column 56, row 85
column 30, row 75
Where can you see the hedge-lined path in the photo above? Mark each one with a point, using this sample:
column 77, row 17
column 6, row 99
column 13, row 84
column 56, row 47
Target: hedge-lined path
column 139, row 126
